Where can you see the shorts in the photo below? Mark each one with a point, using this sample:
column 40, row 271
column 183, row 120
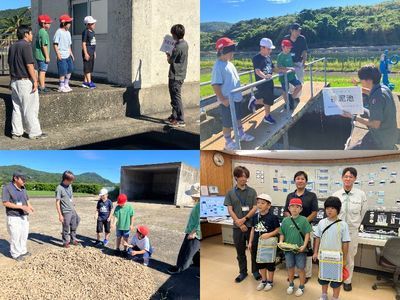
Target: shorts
column 100, row 224
column 266, row 92
column 225, row 113
column 122, row 233
column 333, row 284
column 65, row 66
column 88, row 65
column 295, row 259
column 42, row 65
column 294, row 82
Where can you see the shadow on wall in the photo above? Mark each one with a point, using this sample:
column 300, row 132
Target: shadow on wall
column 9, row 107
column 131, row 96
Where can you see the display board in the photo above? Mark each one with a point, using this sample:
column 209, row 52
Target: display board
column 213, row 206
column 379, row 180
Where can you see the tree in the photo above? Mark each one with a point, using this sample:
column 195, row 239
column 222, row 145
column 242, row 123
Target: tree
column 11, row 24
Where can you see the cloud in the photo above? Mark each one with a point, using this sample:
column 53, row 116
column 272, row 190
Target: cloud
column 234, row 2
column 89, row 154
column 279, row 1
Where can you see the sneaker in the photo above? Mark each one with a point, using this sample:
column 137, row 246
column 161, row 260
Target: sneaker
column 92, row 85
column 66, row 245
column 62, row 89
column 39, row 137
column 68, row 88
column 176, row 123
column 105, row 242
column 19, row 258
column 173, row 270
column 16, row 137
column 76, row 243
column 246, row 137
column 26, row 254
column 268, row 286
column 299, row 292
column 230, row 146
column 261, row 286
column 347, row 287
column 269, row 120
column 169, row 119
column 43, row 90
column 290, row 290
column 240, row 277
column 99, row 244
column 252, row 104
column 86, row 85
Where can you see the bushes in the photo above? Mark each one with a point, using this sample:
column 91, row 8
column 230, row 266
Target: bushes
column 86, row 188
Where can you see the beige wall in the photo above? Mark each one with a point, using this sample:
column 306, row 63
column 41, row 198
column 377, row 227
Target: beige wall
column 135, row 32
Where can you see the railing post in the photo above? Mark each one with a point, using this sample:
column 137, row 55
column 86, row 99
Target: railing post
column 287, row 92
column 234, row 121
column 325, row 71
column 251, row 81
column 311, row 81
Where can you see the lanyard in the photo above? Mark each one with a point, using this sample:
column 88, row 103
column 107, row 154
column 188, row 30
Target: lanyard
column 243, row 202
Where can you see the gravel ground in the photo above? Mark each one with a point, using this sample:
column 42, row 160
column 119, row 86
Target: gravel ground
column 166, row 224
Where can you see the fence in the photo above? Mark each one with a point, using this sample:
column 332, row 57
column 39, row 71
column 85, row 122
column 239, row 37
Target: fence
column 4, row 46
column 251, row 86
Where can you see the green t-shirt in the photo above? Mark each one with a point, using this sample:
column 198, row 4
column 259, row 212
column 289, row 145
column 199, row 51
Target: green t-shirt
column 123, row 215
column 289, row 230
column 42, row 39
column 285, row 61
column 194, row 221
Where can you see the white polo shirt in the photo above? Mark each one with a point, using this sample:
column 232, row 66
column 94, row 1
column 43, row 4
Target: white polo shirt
column 354, row 207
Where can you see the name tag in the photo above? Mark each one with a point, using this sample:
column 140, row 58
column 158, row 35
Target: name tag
column 245, row 208
column 19, row 203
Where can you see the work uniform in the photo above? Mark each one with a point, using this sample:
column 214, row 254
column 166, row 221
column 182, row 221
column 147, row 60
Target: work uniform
column 354, row 206
column 242, row 201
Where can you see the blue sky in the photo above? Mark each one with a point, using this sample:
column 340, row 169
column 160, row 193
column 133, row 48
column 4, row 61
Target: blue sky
column 237, row 10
column 7, row 4
column 105, row 163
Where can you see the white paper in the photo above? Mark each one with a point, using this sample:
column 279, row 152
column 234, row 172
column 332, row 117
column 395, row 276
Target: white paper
column 339, row 100
column 168, row 44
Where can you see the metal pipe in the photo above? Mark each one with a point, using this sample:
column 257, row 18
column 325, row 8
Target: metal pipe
column 311, row 82
column 287, row 92
column 325, row 71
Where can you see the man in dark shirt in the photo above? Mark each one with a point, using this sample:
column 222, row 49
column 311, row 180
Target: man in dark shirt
column 241, row 203
column 299, row 49
column 24, row 87
column 382, row 121
column 18, row 207
column 178, row 60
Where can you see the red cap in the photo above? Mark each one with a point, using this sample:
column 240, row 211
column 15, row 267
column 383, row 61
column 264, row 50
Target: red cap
column 65, row 18
column 223, row 42
column 122, row 199
column 286, row 43
column 44, row 19
column 143, row 230
column 296, row 201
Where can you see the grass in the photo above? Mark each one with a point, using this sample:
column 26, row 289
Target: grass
column 52, row 194
column 334, row 80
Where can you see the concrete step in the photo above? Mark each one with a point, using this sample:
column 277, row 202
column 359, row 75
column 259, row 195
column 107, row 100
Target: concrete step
column 106, row 102
column 118, row 133
column 267, row 135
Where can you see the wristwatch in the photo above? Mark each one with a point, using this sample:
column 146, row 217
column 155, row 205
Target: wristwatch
column 246, row 218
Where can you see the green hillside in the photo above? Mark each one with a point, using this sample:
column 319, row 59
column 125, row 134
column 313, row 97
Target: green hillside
column 333, row 26
column 45, row 177
column 214, row 26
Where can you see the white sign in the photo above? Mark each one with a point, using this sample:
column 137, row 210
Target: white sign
column 339, row 100
column 168, row 44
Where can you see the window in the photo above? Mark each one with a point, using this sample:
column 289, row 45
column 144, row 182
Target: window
column 79, row 12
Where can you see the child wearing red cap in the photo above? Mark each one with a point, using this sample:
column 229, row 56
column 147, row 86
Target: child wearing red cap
column 62, row 42
column 140, row 248
column 295, row 230
column 285, row 61
column 224, row 79
column 42, row 50
column 123, row 219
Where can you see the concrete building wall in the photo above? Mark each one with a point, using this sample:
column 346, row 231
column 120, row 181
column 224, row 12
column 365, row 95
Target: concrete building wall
column 163, row 182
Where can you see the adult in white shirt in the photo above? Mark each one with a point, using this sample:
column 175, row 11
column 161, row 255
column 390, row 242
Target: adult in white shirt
column 354, row 206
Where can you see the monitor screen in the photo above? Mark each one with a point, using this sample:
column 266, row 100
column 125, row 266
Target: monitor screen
column 213, row 206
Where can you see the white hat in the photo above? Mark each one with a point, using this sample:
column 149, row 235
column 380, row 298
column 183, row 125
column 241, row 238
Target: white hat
column 103, row 192
column 265, row 197
column 194, row 190
column 89, row 20
column 267, row 43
